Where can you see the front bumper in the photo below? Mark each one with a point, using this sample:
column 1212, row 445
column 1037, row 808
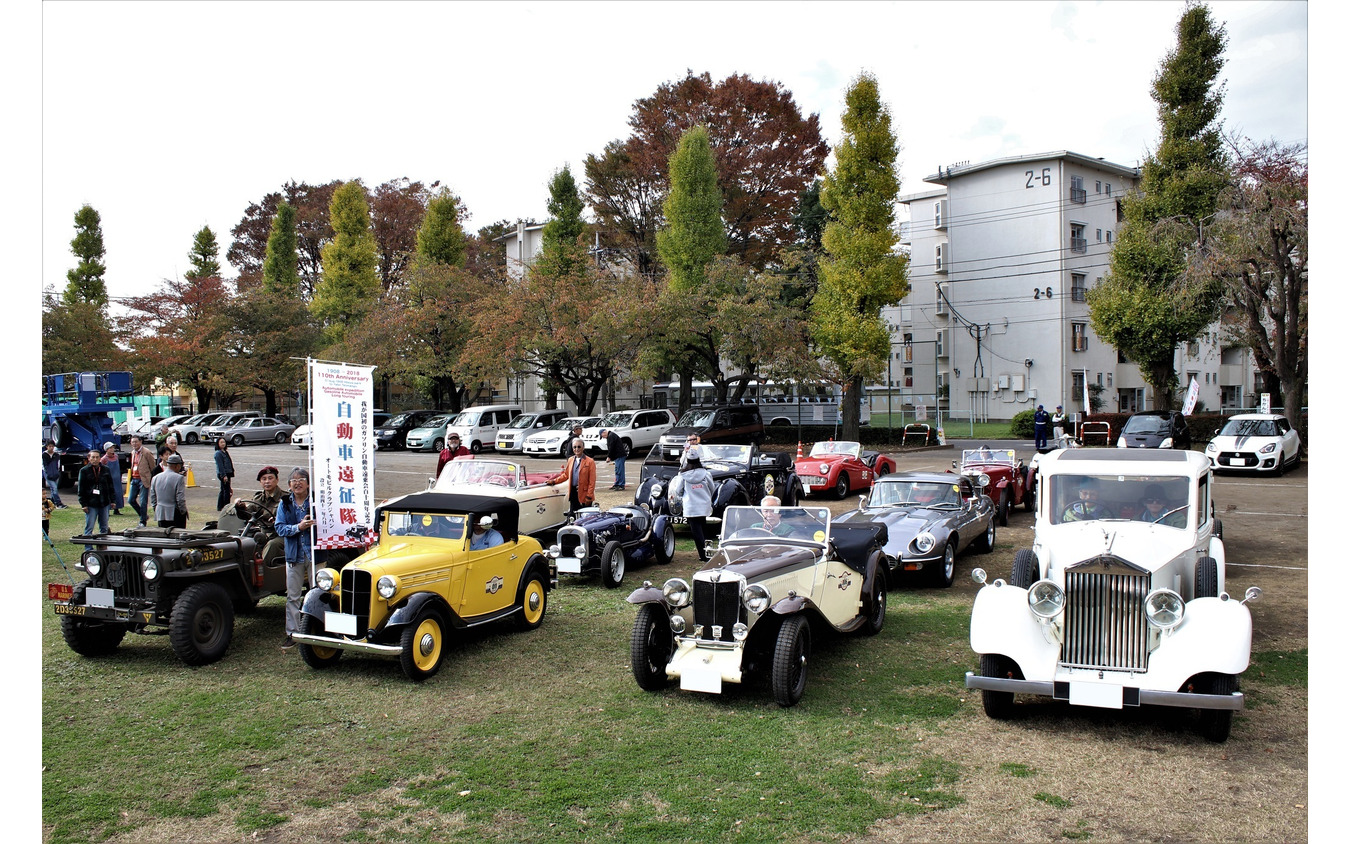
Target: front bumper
column 1104, row 695
column 347, row 644
column 703, row 666
column 113, row 614
column 1248, row 460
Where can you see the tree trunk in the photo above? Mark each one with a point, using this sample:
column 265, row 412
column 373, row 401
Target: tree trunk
column 686, row 392
column 270, row 397
column 852, row 408
column 1162, row 379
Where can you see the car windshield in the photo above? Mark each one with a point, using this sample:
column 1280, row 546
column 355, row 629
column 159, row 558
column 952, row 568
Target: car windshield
column 696, row 419
column 1163, row 499
column 477, row 472
column 776, row 524
column 1250, row 428
column 1141, row 424
column 725, row 454
column 563, row 424
column 898, row 493
column 976, row 456
column 825, row 449
column 432, row 525
column 615, row 420
column 437, row 422
column 402, row 419
column 525, row 420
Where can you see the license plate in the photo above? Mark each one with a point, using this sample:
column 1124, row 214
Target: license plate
column 67, row 609
column 809, row 481
column 700, row 677
column 569, row 565
column 1100, row 695
column 678, row 520
column 341, row 623
column 96, row 597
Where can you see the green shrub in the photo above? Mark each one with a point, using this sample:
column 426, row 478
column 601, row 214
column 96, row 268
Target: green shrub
column 1023, row 424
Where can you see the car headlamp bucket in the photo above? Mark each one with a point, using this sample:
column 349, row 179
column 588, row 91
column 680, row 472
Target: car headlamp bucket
column 150, row 568
column 656, row 490
column 1045, row 599
column 326, row 579
column 554, row 551
column 93, row 564
column 387, row 586
column 982, row 480
column 1165, row 609
column 1166, row 443
column 739, row 631
column 677, row 624
column 676, row 592
column 924, row 542
column 1212, row 446
column 756, row 598
column 824, row 468
column 1267, row 449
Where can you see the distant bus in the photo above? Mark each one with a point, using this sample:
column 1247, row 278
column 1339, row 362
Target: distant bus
column 780, row 402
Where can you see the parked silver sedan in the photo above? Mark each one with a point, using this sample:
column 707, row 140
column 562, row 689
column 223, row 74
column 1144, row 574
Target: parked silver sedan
column 259, row 429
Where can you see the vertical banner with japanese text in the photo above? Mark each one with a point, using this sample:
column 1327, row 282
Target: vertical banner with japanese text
column 342, row 457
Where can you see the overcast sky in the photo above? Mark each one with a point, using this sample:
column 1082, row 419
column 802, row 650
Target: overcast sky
column 167, row 116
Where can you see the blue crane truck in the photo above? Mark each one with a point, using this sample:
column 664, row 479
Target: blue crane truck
column 77, row 415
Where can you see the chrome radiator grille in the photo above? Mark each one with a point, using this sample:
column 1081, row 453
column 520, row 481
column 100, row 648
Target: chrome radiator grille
column 717, row 604
column 1104, row 623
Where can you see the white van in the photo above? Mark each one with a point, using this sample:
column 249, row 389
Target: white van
column 478, row 426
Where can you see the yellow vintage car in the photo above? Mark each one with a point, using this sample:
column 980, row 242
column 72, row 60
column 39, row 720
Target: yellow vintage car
column 422, row 580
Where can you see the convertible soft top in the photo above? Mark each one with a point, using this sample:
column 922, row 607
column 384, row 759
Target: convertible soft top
column 505, row 512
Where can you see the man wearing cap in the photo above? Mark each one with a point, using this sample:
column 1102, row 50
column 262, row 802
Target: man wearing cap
column 1087, row 506
column 452, row 451
column 113, row 464
column 579, row 475
column 1057, row 422
column 267, row 498
column 1040, row 420
column 95, row 489
column 168, row 494
column 484, row 536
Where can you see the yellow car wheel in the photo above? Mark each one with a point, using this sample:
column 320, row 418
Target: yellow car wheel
column 316, row 656
column 423, row 644
column 533, row 602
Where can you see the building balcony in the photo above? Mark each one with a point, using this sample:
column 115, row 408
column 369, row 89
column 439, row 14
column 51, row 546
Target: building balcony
column 1078, row 244
column 1232, row 375
column 1078, row 195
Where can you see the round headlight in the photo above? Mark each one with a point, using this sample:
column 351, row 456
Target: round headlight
column 386, row 586
column 924, row 542
column 824, row 469
column 656, row 490
column 676, row 592
column 756, row 598
column 768, row 484
column 677, row 624
column 982, row 480
column 1164, row 608
column 1212, row 446
column 150, row 568
column 739, row 631
column 1045, row 598
column 93, row 564
column 326, row 579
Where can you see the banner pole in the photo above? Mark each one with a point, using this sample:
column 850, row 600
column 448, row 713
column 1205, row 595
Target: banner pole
column 309, row 459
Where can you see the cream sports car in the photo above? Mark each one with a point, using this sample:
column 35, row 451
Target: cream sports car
column 543, row 506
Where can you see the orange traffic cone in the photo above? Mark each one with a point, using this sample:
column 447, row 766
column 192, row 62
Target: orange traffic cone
column 799, row 449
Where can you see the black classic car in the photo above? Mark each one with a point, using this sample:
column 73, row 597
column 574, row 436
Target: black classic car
column 778, row 572
column 606, row 541
column 742, row 475
column 929, row 518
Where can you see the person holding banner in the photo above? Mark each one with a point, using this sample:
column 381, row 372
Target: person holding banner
column 295, row 518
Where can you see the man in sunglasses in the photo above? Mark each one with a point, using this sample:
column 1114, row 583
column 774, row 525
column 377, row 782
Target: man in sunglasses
column 1158, row 510
column 579, row 475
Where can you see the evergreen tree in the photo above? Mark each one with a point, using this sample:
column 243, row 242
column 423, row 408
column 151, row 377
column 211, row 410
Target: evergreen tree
column 565, row 226
column 860, row 272
column 204, row 257
column 441, row 240
column 350, row 283
column 694, row 233
column 85, row 284
column 1149, row 303
column 281, row 267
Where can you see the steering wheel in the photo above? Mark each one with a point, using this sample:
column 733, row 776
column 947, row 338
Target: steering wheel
column 498, row 480
column 251, row 508
column 746, row 533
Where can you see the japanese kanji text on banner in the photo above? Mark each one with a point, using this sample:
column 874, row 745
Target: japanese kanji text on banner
column 342, row 457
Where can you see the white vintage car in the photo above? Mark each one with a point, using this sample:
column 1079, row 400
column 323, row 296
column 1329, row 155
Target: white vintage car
column 1120, row 601
column 543, row 506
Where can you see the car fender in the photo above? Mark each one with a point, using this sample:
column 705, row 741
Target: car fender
column 790, row 605
column 1215, row 635
column 659, row 524
column 407, row 613
column 726, row 493
column 646, row 594
column 314, row 603
column 546, row 572
column 1001, row 623
column 1216, row 551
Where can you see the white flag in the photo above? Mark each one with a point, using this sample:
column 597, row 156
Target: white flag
column 342, row 456
column 1192, row 396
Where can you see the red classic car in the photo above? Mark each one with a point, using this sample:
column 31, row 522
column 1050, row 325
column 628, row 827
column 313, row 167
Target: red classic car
column 841, row 467
column 1010, row 481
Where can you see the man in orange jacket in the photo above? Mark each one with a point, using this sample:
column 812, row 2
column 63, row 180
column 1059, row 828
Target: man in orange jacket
column 579, row 475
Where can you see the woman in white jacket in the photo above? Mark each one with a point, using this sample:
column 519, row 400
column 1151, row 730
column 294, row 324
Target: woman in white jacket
column 694, row 485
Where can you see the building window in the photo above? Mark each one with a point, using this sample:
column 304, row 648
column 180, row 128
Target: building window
column 1080, row 343
column 906, row 314
column 1099, row 235
column 1099, row 379
column 1079, row 289
column 1076, row 191
column 907, row 353
column 909, row 376
column 1078, row 237
column 1108, row 188
column 1099, row 186
column 1193, row 349
column 1077, row 387
column 1108, row 379
column 1108, row 235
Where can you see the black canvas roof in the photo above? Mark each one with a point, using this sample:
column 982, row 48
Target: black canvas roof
column 504, row 511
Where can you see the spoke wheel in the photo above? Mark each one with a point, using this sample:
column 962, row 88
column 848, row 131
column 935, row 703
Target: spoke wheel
column 650, row 648
column 612, row 564
column 841, row 486
column 790, row 655
column 985, row 543
column 423, row 644
column 876, row 610
column 665, row 545
column 944, row 575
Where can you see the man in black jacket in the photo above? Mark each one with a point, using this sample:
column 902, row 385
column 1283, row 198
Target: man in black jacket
column 618, row 455
column 95, row 489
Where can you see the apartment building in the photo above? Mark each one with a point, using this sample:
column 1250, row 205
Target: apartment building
column 1002, row 254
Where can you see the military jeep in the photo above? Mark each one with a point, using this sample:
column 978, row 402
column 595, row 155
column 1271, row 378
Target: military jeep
column 186, row 583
